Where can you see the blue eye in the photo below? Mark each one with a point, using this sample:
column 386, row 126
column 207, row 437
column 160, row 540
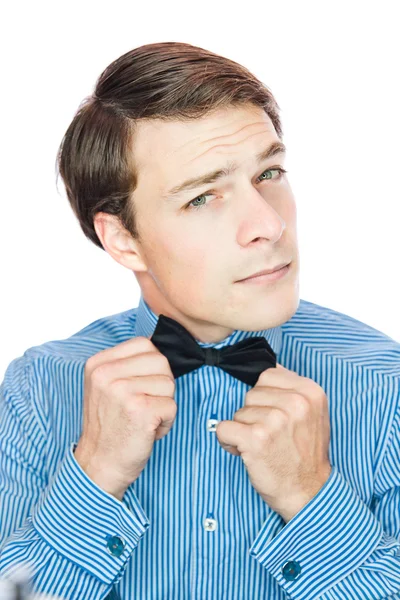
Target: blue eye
column 279, row 170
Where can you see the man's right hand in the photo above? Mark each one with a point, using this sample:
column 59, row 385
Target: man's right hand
column 128, row 404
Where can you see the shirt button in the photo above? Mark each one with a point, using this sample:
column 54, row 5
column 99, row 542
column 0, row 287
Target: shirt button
column 210, row 524
column 291, row 570
column 115, row 545
column 212, row 424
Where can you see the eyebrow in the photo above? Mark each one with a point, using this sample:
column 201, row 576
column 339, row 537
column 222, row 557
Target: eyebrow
column 195, row 182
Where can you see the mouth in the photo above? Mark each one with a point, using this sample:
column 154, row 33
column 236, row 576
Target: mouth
column 268, row 274
column 267, row 277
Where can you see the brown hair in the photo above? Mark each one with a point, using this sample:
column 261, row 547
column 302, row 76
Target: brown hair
column 167, row 80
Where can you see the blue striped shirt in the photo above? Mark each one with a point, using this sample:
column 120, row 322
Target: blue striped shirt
column 192, row 526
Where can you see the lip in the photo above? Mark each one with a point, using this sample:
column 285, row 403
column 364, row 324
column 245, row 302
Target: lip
column 266, row 272
column 268, row 277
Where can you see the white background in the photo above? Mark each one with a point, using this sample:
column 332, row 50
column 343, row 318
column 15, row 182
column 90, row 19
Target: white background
column 334, row 70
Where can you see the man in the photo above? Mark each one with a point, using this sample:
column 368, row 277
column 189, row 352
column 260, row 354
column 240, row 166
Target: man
column 224, row 439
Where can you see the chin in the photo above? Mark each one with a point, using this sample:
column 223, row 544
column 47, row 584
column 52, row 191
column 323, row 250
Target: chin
column 268, row 315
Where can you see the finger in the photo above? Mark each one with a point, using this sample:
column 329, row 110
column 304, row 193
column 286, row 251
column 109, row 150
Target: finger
column 231, row 449
column 232, row 434
column 131, row 347
column 284, row 379
column 145, row 364
column 264, row 415
column 274, row 397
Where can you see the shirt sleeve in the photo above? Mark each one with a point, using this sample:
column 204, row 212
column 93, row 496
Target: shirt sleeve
column 336, row 547
column 76, row 538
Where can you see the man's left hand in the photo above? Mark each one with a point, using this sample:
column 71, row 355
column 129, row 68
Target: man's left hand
column 282, row 434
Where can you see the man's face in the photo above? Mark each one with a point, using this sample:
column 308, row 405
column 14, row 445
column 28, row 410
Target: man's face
column 244, row 222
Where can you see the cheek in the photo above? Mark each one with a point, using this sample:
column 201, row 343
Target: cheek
column 179, row 251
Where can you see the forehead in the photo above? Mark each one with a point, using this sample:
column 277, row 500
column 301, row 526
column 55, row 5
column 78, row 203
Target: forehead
column 170, row 147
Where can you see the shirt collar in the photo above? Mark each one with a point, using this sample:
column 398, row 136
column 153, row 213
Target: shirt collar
column 146, row 321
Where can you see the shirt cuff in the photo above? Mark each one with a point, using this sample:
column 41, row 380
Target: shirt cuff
column 323, row 543
column 87, row 525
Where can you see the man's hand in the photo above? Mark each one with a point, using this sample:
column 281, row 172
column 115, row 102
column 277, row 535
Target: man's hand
column 128, row 404
column 282, row 434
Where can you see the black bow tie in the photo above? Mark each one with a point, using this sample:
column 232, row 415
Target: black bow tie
column 244, row 360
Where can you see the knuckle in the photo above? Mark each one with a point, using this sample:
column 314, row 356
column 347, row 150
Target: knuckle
column 89, row 365
column 143, row 340
column 259, row 432
column 237, row 414
column 300, row 406
column 164, row 362
column 173, row 409
column 137, row 405
column 99, row 374
column 145, row 343
column 251, row 397
column 321, row 398
column 168, row 383
column 119, row 387
column 141, row 398
column 263, row 376
column 171, row 385
column 279, row 420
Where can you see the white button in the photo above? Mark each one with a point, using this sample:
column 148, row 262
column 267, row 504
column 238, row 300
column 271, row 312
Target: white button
column 210, row 524
column 212, row 424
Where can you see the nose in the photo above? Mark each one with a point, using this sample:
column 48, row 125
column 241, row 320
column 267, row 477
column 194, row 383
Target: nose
column 259, row 218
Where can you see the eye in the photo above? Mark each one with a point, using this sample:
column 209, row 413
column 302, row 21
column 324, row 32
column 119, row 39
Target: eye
column 279, row 170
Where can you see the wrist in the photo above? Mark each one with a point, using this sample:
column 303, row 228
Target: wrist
column 99, row 474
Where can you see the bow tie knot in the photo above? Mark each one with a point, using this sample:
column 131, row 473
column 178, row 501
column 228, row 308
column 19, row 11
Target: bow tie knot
column 212, row 357
column 244, row 360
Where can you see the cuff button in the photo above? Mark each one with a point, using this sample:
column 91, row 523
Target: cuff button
column 115, row 545
column 291, row 570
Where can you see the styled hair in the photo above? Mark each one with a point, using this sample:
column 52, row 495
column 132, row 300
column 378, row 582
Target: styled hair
column 166, row 80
